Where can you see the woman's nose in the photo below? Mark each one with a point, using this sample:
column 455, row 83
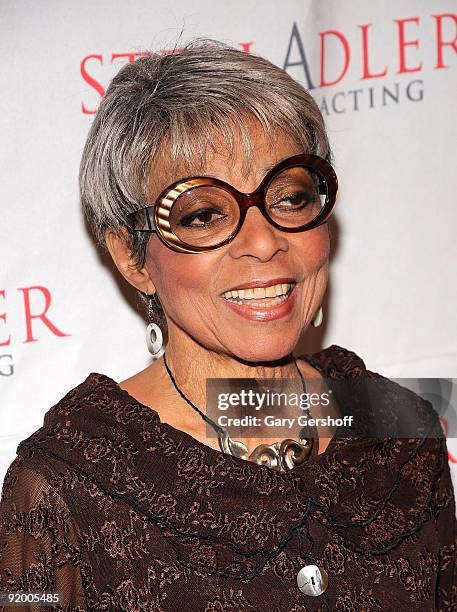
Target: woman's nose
column 258, row 238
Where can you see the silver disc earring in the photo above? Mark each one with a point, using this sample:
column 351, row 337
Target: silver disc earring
column 154, row 336
column 318, row 318
column 154, row 340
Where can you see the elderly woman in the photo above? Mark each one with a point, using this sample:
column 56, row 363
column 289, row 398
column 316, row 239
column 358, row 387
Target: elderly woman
column 207, row 175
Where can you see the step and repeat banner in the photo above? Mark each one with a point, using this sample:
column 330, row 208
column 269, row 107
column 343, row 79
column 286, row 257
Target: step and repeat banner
column 384, row 75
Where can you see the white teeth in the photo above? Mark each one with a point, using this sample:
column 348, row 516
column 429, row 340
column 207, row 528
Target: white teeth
column 281, row 291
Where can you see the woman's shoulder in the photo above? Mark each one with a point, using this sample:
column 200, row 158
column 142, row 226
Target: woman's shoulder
column 393, row 407
column 32, row 477
column 92, row 399
column 96, row 388
column 338, row 362
column 93, row 417
column 94, row 420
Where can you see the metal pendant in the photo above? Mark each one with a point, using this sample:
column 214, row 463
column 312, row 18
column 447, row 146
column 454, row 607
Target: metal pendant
column 281, row 456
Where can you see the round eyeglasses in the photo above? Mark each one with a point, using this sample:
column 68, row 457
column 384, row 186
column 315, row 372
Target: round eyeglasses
column 200, row 214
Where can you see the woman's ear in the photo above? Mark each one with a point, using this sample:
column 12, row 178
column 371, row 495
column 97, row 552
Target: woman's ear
column 123, row 258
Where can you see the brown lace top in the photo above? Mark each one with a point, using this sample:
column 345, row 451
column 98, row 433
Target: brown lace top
column 119, row 511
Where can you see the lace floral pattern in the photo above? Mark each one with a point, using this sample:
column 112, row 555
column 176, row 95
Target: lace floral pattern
column 119, row 511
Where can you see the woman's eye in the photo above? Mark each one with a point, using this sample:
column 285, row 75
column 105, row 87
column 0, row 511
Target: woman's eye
column 295, row 200
column 203, row 217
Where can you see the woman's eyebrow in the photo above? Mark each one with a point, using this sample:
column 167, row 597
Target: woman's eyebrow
column 269, row 167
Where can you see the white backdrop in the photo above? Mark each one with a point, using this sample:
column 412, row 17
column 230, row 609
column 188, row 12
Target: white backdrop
column 384, row 74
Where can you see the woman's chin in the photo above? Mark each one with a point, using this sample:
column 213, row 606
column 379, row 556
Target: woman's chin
column 265, row 352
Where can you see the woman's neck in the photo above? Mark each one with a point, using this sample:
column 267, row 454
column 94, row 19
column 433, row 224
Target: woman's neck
column 192, row 365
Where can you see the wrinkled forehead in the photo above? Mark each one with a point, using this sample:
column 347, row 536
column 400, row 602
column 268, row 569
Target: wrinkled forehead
column 240, row 154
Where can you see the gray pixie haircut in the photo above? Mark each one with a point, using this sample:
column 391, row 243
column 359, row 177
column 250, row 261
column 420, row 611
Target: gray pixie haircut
column 174, row 104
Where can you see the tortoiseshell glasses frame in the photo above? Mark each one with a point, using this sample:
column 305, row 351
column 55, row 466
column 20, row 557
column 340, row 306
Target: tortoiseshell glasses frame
column 156, row 217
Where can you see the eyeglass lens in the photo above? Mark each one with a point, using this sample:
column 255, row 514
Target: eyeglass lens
column 206, row 215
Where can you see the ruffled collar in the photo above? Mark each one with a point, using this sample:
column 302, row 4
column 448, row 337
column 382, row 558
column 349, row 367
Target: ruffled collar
column 244, row 511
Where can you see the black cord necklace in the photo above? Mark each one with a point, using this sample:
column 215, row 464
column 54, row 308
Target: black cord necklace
column 281, row 456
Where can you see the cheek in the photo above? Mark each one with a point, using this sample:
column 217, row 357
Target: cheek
column 176, row 273
column 314, row 247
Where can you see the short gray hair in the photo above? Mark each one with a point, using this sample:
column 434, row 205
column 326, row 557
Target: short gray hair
column 176, row 102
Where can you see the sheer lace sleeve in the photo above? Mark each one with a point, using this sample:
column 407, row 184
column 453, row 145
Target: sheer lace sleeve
column 446, row 600
column 38, row 543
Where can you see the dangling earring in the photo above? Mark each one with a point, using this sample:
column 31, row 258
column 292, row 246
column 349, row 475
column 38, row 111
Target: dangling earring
column 318, row 318
column 154, row 336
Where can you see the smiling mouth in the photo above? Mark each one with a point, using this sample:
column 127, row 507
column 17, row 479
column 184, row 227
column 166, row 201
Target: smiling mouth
column 260, row 296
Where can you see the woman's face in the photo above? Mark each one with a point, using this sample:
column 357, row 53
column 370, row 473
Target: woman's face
column 191, row 286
